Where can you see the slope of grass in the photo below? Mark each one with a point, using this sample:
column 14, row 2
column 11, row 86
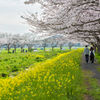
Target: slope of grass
column 15, row 62
column 56, row 79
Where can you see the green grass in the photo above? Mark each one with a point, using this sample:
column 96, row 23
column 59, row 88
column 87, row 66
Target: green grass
column 12, row 63
column 95, row 91
column 91, row 87
column 97, row 56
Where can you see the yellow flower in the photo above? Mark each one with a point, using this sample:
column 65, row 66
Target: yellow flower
column 33, row 95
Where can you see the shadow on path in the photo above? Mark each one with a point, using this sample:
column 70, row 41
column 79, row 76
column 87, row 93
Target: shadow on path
column 91, row 66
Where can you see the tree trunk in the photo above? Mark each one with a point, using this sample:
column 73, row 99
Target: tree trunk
column 94, row 48
column 8, row 48
column 44, row 48
column 28, row 48
column 60, row 47
column 98, row 49
column 52, row 48
column 15, row 48
column 70, row 47
column 21, row 49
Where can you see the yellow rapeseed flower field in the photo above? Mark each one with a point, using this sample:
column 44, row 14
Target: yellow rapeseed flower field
column 55, row 79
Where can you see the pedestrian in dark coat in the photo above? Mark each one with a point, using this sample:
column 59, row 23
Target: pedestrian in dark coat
column 92, row 55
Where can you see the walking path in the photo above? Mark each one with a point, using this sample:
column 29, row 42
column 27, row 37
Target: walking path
column 96, row 74
column 91, row 66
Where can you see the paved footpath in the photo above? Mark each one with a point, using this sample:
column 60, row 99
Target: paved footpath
column 91, row 66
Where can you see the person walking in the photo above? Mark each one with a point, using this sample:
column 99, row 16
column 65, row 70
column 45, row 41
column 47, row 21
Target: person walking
column 92, row 55
column 86, row 53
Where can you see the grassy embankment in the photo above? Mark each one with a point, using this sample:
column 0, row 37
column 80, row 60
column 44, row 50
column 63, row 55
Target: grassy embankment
column 12, row 63
column 59, row 78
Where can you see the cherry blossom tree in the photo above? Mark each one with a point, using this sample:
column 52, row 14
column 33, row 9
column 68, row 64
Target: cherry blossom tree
column 15, row 40
column 53, row 41
column 8, row 41
column 2, row 39
column 30, row 39
column 43, row 42
column 22, row 43
column 76, row 17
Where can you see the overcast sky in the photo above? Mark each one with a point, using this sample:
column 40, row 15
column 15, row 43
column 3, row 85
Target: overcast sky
column 10, row 12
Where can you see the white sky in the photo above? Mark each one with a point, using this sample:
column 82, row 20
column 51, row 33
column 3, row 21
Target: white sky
column 10, row 12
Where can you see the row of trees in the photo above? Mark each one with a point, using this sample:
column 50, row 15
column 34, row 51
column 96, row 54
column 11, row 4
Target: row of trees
column 30, row 39
column 16, row 39
column 78, row 20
